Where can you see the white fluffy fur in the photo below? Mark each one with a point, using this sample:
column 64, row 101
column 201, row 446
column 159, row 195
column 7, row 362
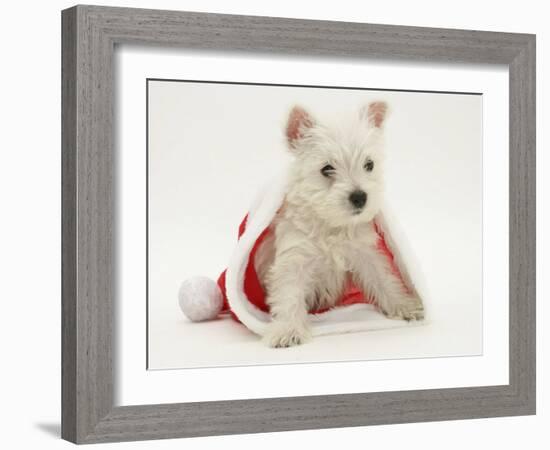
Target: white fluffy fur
column 320, row 239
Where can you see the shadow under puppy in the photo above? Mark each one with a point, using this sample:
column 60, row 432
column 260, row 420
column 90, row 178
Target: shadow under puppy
column 324, row 235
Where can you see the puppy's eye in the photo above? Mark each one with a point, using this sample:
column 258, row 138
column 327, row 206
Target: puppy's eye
column 328, row 170
column 369, row 165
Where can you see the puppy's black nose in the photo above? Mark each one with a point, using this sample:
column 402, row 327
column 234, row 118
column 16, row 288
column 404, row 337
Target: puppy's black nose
column 358, row 198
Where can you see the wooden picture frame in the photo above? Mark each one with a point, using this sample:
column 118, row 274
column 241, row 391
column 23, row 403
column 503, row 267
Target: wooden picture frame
column 90, row 34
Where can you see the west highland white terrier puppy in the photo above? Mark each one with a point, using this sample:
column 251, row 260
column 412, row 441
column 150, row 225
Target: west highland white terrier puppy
column 324, row 235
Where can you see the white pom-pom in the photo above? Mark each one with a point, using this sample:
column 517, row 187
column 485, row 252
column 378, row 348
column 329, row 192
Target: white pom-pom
column 200, row 298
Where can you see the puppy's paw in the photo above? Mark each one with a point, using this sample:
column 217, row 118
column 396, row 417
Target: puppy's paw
column 408, row 308
column 286, row 334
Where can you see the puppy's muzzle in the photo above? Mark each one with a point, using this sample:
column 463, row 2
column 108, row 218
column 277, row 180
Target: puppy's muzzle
column 358, row 198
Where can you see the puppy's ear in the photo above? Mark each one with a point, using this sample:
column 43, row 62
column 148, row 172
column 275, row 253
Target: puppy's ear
column 299, row 121
column 375, row 114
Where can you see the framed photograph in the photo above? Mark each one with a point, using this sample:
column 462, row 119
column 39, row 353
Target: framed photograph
column 267, row 222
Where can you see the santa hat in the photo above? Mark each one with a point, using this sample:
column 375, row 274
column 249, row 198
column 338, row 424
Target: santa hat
column 238, row 290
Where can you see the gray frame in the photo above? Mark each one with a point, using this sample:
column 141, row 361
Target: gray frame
column 89, row 37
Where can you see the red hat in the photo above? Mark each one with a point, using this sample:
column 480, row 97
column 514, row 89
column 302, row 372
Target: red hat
column 238, row 290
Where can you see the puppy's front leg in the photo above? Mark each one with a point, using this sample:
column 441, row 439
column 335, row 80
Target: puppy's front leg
column 288, row 288
column 374, row 274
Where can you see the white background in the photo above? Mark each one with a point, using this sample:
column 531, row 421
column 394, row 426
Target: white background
column 211, row 147
column 433, row 146
column 457, row 336
column 31, row 226
column 454, row 312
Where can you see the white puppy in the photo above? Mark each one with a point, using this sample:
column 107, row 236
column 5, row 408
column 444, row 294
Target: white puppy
column 324, row 235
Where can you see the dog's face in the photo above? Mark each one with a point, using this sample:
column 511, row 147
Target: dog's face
column 338, row 172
